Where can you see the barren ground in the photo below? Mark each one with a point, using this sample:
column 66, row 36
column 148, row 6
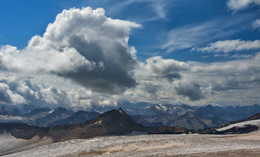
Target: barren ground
column 153, row 145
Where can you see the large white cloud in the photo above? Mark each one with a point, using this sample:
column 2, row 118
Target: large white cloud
column 241, row 4
column 83, row 45
column 89, row 48
column 227, row 46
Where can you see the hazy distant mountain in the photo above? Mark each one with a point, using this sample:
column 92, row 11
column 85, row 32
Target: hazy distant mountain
column 55, row 115
column 76, row 117
column 193, row 117
column 228, row 113
column 191, row 120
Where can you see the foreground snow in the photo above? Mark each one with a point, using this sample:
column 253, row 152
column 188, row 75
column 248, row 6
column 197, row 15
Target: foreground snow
column 10, row 144
column 145, row 145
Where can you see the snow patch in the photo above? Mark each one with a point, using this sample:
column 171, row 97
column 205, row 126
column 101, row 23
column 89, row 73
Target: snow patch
column 51, row 111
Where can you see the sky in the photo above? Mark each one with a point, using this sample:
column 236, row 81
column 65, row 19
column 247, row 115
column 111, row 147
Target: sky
column 84, row 53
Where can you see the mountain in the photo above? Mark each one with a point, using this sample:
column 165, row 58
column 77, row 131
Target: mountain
column 76, row 117
column 237, row 127
column 228, row 113
column 191, row 120
column 55, row 115
column 113, row 122
column 149, row 115
column 191, row 117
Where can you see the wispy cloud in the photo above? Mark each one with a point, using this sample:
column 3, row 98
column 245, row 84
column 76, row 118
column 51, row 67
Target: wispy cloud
column 256, row 24
column 157, row 9
column 227, row 46
column 195, row 35
column 191, row 36
column 241, row 4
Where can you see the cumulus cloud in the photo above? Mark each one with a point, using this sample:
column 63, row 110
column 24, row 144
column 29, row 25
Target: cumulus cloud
column 227, row 46
column 228, row 85
column 7, row 96
column 256, row 24
column 83, row 45
column 191, row 90
column 16, row 91
column 231, row 80
column 157, row 67
column 241, row 4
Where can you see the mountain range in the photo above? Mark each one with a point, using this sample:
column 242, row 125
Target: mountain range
column 149, row 115
column 113, row 122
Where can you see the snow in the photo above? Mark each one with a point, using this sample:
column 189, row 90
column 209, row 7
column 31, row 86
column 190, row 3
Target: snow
column 121, row 111
column 5, row 117
column 51, row 111
column 143, row 145
column 241, row 124
column 157, row 108
column 10, row 144
column 7, row 142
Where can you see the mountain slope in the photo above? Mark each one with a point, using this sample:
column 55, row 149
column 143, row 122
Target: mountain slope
column 114, row 122
column 248, row 124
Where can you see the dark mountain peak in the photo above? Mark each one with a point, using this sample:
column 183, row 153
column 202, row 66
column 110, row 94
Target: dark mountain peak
column 60, row 110
column 113, row 122
column 185, row 106
column 116, row 115
column 254, row 117
column 121, row 111
column 209, row 106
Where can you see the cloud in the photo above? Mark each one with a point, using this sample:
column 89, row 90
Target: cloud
column 227, row 46
column 190, row 36
column 151, row 9
column 159, row 68
column 241, row 4
column 228, row 85
column 256, row 24
column 190, row 90
column 7, row 96
column 82, row 45
column 230, row 82
column 15, row 91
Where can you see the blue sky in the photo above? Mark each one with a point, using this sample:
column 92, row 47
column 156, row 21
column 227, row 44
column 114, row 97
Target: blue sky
column 179, row 51
column 20, row 20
